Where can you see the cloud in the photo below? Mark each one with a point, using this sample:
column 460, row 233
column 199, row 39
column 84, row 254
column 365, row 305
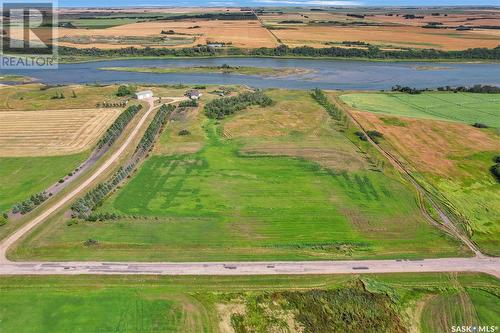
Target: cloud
column 309, row 2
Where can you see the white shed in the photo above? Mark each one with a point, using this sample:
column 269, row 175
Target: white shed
column 144, row 94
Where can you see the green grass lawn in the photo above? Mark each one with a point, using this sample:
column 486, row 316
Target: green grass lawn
column 21, row 177
column 219, row 204
column 468, row 108
column 201, row 304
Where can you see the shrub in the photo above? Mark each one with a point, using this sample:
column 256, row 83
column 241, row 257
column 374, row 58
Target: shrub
column 3, row 220
column 184, row 132
column 221, row 107
column 91, row 242
column 124, row 90
column 188, row 103
column 479, row 125
column 361, row 135
column 495, row 170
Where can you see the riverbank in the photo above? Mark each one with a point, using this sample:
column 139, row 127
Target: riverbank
column 82, row 60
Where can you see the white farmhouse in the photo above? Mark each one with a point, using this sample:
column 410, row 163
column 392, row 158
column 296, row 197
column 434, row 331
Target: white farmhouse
column 144, row 94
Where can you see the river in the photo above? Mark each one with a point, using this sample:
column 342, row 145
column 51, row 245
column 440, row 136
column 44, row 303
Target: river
column 326, row 74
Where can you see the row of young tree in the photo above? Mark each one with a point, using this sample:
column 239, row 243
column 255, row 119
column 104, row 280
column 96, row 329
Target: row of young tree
column 118, row 125
column 221, row 107
column 154, row 128
column 29, row 204
column 84, row 206
column 189, row 103
column 322, row 99
column 478, row 88
column 371, row 52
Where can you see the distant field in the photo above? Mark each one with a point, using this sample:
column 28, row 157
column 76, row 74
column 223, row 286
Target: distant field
column 21, row 177
column 452, row 158
column 35, row 97
column 466, row 108
column 242, row 33
column 52, row 132
column 222, row 204
column 375, row 303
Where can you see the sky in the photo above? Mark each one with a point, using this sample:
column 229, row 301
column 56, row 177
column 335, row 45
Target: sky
column 256, row 3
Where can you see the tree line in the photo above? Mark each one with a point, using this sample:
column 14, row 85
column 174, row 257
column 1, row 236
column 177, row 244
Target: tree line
column 84, row 206
column 221, row 107
column 478, row 88
column 331, row 108
column 118, row 126
column 29, row 204
column 371, row 52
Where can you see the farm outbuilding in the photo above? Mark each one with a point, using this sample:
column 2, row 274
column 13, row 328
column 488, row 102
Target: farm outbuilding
column 144, row 94
column 194, row 94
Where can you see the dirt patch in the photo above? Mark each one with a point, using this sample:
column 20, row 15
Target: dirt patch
column 432, row 146
column 225, row 311
column 329, row 158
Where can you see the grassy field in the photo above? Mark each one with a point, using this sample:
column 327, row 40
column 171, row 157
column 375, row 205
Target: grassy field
column 451, row 159
column 222, row 203
column 243, row 70
column 465, row 108
column 21, row 177
column 35, row 97
column 52, row 132
column 386, row 303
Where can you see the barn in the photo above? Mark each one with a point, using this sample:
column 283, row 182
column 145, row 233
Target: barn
column 144, row 94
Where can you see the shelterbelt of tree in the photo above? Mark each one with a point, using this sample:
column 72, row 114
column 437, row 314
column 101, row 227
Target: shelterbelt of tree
column 285, row 51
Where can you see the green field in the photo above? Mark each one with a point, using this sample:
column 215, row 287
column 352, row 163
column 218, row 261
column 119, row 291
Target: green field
column 222, row 204
column 468, row 108
column 261, row 304
column 21, row 177
column 452, row 160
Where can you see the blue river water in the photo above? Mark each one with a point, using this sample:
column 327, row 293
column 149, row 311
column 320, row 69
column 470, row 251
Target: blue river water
column 326, row 74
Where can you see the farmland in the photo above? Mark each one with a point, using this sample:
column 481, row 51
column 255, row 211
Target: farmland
column 39, row 146
column 467, row 108
column 454, row 166
column 239, row 33
column 21, row 177
column 36, row 97
column 292, row 27
column 52, row 132
column 192, row 207
column 105, row 303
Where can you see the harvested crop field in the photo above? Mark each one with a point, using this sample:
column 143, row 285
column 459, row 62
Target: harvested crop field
column 402, row 36
column 240, row 33
column 52, row 132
